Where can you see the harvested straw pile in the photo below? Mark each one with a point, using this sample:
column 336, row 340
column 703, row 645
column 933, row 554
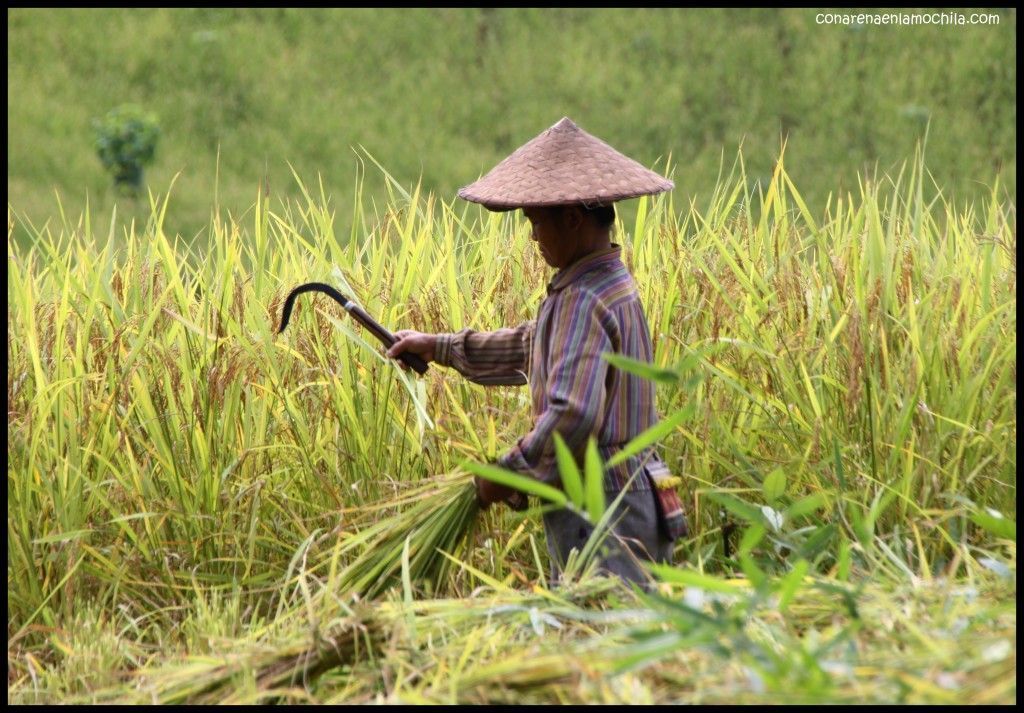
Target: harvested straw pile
column 284, row 666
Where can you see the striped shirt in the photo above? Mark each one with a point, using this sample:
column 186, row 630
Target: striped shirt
column 591, row 307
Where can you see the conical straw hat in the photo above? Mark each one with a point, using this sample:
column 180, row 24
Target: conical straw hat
column 563, row 165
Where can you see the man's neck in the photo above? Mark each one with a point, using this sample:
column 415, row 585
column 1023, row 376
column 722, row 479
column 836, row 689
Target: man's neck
column 596, row 244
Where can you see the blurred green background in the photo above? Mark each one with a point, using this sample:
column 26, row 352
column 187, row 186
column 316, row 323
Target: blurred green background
column 442, row 95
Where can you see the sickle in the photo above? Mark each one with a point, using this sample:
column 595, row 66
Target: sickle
column 356, row 311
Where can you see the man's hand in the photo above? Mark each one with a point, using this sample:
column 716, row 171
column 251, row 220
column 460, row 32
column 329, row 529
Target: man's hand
column 488, row 492
column 413, row 342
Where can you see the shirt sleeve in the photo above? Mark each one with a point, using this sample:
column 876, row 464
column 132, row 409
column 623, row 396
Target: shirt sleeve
column 494, row 358
column 581, row 330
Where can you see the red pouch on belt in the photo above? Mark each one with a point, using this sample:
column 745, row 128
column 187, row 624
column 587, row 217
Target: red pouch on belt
column 670, row 507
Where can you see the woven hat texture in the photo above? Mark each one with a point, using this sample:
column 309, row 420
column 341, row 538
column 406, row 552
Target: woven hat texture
column 563, row 165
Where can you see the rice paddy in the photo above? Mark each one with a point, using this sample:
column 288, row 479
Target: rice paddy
column 203, row 511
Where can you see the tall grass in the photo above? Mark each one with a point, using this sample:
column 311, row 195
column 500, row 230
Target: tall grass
column 851, row 377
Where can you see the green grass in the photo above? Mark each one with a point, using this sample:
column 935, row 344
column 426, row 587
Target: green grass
column 444, row 94
column 185, row 484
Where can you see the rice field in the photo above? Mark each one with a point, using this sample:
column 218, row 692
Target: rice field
column 443, row 94
column 203, row 511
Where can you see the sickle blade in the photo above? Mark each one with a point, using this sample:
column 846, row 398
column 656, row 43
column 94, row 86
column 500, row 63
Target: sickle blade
column 289, row 303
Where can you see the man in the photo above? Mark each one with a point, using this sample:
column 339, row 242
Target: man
column 565, row 181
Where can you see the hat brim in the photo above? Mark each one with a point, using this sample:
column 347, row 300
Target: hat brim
column 563, row 166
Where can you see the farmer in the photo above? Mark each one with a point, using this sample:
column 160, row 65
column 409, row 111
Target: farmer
column 565, row 181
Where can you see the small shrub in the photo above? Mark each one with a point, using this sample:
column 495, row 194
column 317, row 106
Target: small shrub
column 125, row 142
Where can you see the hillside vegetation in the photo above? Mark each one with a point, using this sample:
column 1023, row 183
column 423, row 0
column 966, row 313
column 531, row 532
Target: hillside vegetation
column 444, row 94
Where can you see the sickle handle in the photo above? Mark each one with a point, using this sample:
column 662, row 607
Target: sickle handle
column 410, row 359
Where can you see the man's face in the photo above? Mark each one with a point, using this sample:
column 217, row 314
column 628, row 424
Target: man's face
column 555, row 230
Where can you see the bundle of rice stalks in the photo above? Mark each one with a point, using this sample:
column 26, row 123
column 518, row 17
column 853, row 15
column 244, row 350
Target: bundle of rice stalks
column 434, row 516
column 404, row 540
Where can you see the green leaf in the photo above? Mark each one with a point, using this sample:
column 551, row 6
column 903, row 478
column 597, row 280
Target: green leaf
column 691, row 361
column 999, row 526
column 652, row 435
column 525, row 483
column 740, row 509
column 818, row 540
column 862, row 527
column 883, row 498
column 62, row 537
column 774, row 485
column 805, row 506
column 667, row 573
column 843, row 565
column 593, row 481
column 791, row 584
column 754, row 573
column 751, row 539
column 571, row 480
column 640, row 368
column 601, row 530
column 642, row 651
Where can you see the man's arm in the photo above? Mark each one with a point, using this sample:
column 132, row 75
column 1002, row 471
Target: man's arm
column 493, row 358
column 581, row 330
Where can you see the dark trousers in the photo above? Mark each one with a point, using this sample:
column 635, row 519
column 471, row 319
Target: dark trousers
column 635, row 532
